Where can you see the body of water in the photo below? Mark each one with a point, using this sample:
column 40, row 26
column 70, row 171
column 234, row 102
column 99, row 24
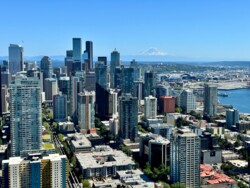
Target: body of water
column 239, row 98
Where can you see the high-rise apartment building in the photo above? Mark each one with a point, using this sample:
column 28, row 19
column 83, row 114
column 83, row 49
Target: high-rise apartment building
column 210, row 99
column 101, row 72
column 185, row 159
column 115, row 61
column 150, row 83
column 50, row 88
column 187, row 101
column 127, row 80
column 232, row 117
column 25, row 115
column 86, row 110
column 60, row 108
column 128, row 117
column 166, row 104
column 150, row 107
column 15, row 58
column 46, row 67
column 35, row 171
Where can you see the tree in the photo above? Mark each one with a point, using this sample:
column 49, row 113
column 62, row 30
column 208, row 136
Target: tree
column 85, row 183
column 178, row 110
column 177, row 185
column 60, row 137
column 165, row 185
column 195, row 114
column 182, row 122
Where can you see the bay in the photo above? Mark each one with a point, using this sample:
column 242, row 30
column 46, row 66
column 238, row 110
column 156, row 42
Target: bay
column 239, row 98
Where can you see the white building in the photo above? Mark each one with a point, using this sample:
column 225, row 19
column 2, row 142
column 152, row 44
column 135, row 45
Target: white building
column 150, row 107
column 188, row 101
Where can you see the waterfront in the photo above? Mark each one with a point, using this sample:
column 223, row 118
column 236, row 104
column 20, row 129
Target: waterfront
column 239, row 98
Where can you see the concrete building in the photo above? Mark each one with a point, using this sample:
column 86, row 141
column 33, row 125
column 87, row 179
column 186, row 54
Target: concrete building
column 103, row 162
column 187, row 101
column 163, row 129
column 90, row 81
column 185, row 159
column 86, row 110
column 35, row 171
column 5, row 101
column 50, row 88
column 232, row 117
column 166, row 104
column 210, row 99
column 150, row 107
column 80, row 144
column 15, row 58
column 66, row 127
column 59, row 107
column 128, row 117
column 25, row 115
column 114, row 126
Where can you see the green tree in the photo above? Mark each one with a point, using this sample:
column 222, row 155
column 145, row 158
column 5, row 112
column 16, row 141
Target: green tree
column 178, row 110
column 60, row 137
column 196, row 115
column 85, row 183
column 177, row 185
column 165, row 185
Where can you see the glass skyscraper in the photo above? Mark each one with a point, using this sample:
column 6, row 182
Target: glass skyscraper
column 25, row 115
column 15, row 58
column 210, row 99
column 115, row 61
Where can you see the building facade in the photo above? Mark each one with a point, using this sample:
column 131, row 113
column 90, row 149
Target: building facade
column 210, row 99
column 15, row 58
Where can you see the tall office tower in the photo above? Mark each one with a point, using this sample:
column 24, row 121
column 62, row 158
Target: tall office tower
column 15, row 58
column 161, row 90
column 115, row 61
column 232, row 117
column 128, row 117
column 46, row 67
column 5, row 65
column 138, row 87
column 127, row 80
column 25, row 115
column 4, row 101
column 50, row 88
column 185, row 159
column 64, row 86
column 210, row 99
column 187, row 101
column 117, row 77
column 150, row 107
column 60, row 108
column 89, row 52
column 166, row 104
column 86, row 110
column 30, row 65
column 68, row 61
column 134, row 65
column 74, row 90
column 159, row 152
column 101, row 72
column 77, row 54
column 6, row 77
column 150, row 83
column 35, row 171
column 90, row 81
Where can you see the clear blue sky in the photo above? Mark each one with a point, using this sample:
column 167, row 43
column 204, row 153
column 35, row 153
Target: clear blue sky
column 211, row 29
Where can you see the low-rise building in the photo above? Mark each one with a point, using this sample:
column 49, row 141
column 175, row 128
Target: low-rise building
column 103, row 162
column 66, row 127
column 79, row 143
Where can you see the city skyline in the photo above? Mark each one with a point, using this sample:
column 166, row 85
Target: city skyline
column 164, row 30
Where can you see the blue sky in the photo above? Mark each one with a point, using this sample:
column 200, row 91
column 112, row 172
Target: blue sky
column 202, row 30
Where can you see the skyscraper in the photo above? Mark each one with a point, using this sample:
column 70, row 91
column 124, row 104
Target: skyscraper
column 185, row 159
column 77, row 54
column 115, row 61
column 25, row 115
column 69, row 62
column 128, row 117
column 187, row 101
column 150, row 107
column 210, row 99
column 86, row 110
column 150, row 83
column 60, row 108
column 232, row 117
column 89, row 51
column 127, row 80
column 50, row 88
column 15, row 58
column 46, row 67
column 101, row 72
column 1, row 102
